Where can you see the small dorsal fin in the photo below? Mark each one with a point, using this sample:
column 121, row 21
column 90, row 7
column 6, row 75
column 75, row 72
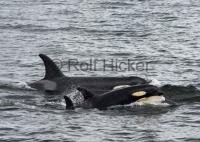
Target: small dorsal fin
column 68, row 102
column 86, row 94
column 51, row 69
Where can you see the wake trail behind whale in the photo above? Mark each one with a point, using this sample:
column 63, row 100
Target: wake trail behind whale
column 14, row 84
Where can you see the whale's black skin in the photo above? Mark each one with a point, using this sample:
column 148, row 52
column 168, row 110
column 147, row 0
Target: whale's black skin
column 117, row 97
column 56, row 82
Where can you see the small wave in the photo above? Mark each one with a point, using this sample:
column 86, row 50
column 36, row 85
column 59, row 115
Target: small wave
column 121, row 54
column 134, row 105
column 20, row 26
column 180, row 27
column 14, row 84
column 168, row 19
column 133, row 109
column 35, row 28
column 117, row 4
column 8, row 108
column 111, row 32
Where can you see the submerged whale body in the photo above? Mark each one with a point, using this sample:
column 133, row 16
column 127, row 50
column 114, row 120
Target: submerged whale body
column 123, row 96
column 56, row 82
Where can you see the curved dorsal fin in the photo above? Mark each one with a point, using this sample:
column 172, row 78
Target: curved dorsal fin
column 86, row 94
column 69, row 103
column 51, row 69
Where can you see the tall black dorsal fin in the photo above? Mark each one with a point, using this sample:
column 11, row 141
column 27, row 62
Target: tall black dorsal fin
column 86, row 94
column 51, row 69
column 69, row 103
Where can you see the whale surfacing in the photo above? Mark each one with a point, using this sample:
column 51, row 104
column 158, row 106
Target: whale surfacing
column 138, row 93
column 55, row 82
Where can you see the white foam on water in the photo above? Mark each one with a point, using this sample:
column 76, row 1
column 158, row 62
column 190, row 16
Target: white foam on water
column 15, row 84
column 155, row 82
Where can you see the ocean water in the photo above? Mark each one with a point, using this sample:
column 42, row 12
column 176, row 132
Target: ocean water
column 164, row 34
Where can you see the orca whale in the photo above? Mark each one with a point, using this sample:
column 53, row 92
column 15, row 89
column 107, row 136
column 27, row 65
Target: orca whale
column 138, row 93
column 55, row 82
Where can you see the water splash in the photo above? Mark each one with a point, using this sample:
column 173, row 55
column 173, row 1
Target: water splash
column 15, row 84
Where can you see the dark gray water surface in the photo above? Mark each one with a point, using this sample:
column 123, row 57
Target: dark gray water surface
column 165, row 33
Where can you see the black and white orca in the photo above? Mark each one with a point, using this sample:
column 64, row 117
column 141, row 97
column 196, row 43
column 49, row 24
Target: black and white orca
column 56, row 82
column 140, row 94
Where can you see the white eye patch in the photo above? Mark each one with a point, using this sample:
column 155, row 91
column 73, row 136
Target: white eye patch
column 120, row 87
column 139, row 93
